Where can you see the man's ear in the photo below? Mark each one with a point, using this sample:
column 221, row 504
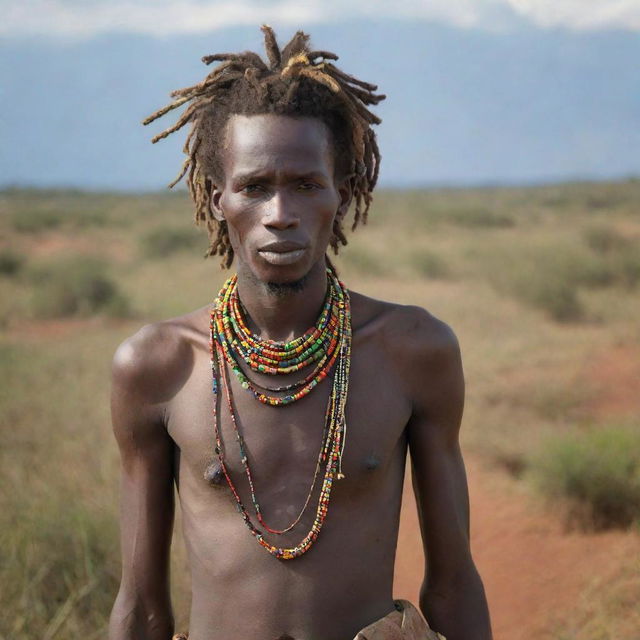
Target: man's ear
column 345, row 191
column 216, row 209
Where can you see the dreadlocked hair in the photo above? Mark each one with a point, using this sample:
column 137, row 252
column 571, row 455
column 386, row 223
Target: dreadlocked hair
column 295, row 81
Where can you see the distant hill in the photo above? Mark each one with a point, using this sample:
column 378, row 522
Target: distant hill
column 463, row 106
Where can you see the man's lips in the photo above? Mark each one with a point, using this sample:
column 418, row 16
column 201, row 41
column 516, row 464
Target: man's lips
column 282, row 246
column 282, row 253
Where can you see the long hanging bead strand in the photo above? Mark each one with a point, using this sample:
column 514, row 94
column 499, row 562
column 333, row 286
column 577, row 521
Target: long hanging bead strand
column 244, row 458
column 332, row 446
column 246, row 465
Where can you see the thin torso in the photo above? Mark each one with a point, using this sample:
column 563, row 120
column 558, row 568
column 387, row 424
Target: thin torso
column 344, row 581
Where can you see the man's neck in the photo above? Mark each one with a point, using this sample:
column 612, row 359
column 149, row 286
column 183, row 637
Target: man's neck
column 282, row 312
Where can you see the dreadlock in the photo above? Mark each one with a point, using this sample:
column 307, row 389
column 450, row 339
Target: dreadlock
column 296, row 81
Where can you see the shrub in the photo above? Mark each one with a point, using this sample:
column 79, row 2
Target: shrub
column 548, row 290
column 427, row 264
column 476, row 217
column 626, row 267
column 605, row 239
column 75, row 286
column 597, row 473
column 557, row 297
column 361, row 261
column 548, row 278
column 10, row 262
column 37, row 220
column 165, row 241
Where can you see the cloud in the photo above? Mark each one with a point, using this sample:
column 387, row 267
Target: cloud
column 580, row 14
column 73, row 19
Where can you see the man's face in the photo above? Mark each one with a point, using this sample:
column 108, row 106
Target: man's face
column 279, row 195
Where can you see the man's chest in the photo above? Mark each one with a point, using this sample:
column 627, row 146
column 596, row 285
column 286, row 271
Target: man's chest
column 282, row 444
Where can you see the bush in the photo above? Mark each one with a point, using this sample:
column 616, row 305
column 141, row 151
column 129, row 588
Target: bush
column 557, row 297
column 36, row 220
column 625, row 266
column 479, row 217
column 75, row 286
column 11, row 262
column 619, row 258
column 546, row 288
column 165, row 241
column 605, row 240
column 548, row 278
column 427, row 264
column 596, row 472
column 364, row 262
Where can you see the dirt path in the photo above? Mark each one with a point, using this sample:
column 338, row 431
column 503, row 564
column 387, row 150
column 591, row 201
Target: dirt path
column 534, row 572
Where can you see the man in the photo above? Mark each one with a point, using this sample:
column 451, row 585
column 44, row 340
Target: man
column 290, row 486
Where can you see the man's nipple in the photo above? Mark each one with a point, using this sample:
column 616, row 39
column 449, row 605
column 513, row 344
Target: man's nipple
column 371, row 462
column 213, row 474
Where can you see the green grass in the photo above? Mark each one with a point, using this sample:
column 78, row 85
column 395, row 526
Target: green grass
column 597, row 472
column 58, row 528
column 59, row 570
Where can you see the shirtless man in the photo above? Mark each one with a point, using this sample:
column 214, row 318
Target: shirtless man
column 277, row 154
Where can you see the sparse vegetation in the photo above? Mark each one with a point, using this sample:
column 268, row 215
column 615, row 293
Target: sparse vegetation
column 364, row 262
column 165, row 241
column 480, row 259
column 605, row 239
column 11, row 262
column 597, row 472
column 59, row 572
column 43, row 220
column 557, row 297
column 427, row 264
column 479, row 217
column 73, row 286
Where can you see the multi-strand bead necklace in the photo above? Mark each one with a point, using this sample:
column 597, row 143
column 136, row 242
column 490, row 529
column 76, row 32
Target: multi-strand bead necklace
column 324, row 345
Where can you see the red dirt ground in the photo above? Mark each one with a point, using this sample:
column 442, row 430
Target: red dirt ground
column 533, row 570
column 614, row 376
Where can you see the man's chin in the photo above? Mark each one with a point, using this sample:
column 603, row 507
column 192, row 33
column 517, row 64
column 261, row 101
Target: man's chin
column 286, row 274
column 282, row 289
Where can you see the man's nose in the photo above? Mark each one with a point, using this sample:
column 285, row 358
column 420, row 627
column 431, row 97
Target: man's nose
column 281, row 212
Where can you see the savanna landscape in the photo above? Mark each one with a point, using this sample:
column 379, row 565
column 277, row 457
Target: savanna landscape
column 541, row 285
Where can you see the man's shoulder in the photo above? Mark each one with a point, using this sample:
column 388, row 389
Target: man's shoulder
column 152, row 360
column 423, row 353
column 412, row 332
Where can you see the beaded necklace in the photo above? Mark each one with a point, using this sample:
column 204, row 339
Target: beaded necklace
column 324, row 345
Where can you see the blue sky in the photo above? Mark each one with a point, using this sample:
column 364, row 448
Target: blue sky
column 479, row 91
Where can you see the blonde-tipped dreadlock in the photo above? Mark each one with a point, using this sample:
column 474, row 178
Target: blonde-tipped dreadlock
column 298, row 82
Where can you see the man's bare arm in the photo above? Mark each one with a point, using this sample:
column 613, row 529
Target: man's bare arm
column 452, row 597
column 142, row 610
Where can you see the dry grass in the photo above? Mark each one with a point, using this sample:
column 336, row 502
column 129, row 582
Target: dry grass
column 536, row 282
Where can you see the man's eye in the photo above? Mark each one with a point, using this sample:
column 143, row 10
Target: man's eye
column 308, row 186
column 252, row 188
